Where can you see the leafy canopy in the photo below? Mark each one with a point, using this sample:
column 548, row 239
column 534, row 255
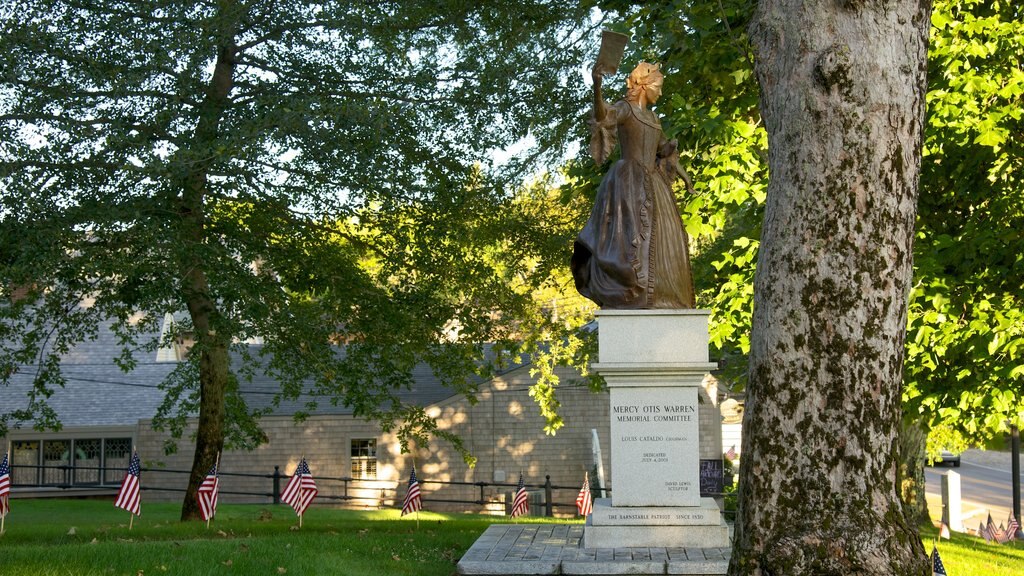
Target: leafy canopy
column 965, row 342
column 297, row 174
column 965, row 338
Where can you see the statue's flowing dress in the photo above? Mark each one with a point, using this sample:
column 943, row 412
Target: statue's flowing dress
column 633, row 251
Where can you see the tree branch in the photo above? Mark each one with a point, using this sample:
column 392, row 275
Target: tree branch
column 90, row 123
column 64, row 94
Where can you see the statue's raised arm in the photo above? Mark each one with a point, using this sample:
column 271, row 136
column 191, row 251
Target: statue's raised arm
column 633, row 252
column 603, row 121
column 600, row 106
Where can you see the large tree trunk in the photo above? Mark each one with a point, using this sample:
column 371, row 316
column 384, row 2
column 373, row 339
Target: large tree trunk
column 843, row 87
column 213, row 383
column 211, row 338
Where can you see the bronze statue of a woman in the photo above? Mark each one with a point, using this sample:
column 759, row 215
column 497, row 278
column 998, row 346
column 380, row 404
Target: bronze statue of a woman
column 633, row 253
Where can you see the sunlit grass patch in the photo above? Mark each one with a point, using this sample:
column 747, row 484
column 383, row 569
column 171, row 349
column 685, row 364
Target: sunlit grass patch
column 86, row 537
column 91, row 537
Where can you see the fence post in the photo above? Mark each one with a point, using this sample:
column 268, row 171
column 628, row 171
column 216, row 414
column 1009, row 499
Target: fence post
column 277, row 485
column 547, row 497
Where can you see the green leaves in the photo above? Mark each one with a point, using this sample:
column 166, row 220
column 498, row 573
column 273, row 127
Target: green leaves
column 977, row 88
column 965, row 323
column 330, row 180
column 964, row 346
column 711, row 108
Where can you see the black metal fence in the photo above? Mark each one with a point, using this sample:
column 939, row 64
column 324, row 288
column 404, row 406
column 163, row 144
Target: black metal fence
column 339, row 489
column 349, row 490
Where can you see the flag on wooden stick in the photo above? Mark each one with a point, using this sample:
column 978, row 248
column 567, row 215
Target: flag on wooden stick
column 207, row 494
column 730, row 454
column 413, row 502
column 993, row 532
column 520, row 503
column 1011, row 528
column 983, row 531
column 5, row 485
column 937, row 568
column 1004, row 535
column 129, row 496
column 584, row 503
column 943, row 531
column 301, row 489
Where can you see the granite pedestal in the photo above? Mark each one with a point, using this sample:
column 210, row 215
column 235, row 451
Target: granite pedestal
column 654, row 362
column 656, row 521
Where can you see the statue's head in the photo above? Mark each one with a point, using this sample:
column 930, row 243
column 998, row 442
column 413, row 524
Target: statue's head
column 645, row 79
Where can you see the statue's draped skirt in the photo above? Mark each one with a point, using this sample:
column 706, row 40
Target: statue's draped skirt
column 633, row 251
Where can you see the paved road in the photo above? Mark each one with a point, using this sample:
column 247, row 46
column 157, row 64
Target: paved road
column 985, row 486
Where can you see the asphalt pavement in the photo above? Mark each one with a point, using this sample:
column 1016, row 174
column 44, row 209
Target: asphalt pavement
column 985, row 487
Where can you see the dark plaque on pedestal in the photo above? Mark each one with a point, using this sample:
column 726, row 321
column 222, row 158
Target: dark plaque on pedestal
column 711, row 483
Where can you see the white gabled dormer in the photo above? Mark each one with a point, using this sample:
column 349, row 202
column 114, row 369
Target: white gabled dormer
column 172, row 351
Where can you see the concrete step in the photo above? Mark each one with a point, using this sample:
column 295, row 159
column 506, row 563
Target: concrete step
column 513, row 549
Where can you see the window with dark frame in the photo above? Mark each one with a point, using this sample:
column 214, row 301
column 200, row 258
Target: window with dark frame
column 56, row 462
column 86, row 461
column 69, row 461
column 116, row 454
column 25, row 462
column 364, row 458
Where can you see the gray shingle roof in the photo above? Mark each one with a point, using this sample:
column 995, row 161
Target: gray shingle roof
column 259, row 393
column 98, row 393
column 426, row 389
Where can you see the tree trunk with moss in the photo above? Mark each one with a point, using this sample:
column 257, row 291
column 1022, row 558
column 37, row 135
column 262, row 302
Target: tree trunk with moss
column 843, row 87
column 911, row 473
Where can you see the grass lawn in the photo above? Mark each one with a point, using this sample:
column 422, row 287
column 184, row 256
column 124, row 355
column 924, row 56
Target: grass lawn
column 972, row 556
column 243, row 539
column 255, row 539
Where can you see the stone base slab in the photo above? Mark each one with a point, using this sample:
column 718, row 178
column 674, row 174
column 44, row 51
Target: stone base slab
column 656, row 536
column 652, row 336
column 513, row 549
column 707, row 514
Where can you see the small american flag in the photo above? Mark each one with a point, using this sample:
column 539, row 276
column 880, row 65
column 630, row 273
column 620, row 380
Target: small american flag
column 584, row 503
column 1012, row 526
column 128, row 497
column 983, row 530
column 943, row 531
column 1011, row 529
column 412, row 503
column 520, row 504
column 5, row 486
column 731, row 453
column 993, row 532
column 301, row 489
column 937, row 568
column 207, row 494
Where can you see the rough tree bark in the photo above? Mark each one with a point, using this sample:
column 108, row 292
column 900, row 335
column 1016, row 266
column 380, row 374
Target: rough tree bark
column 211, row 343
column 843, row 88
column 911, row 471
